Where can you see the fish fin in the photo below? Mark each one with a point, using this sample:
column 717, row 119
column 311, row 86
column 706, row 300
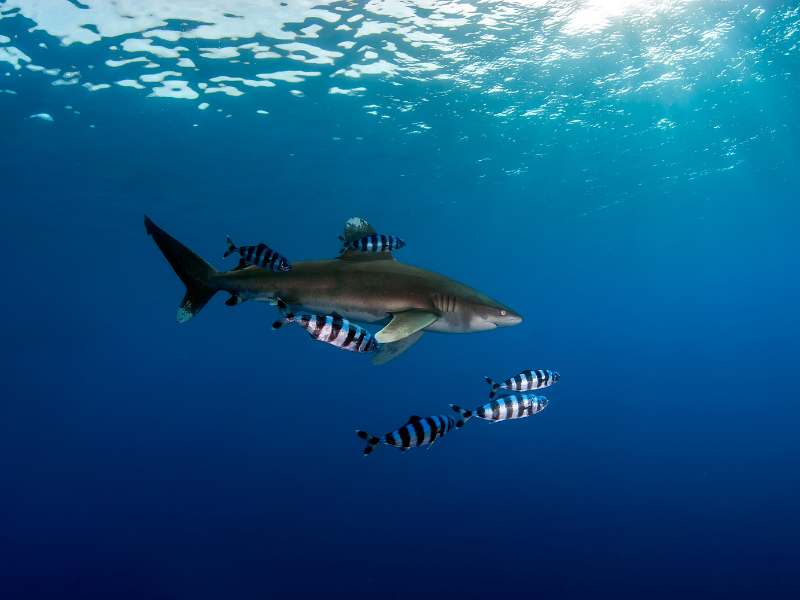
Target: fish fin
column 288, row 315
column 493, row 386
column 356, row 228
column 231, row 247
column 242, row 265
column 372, row 441
column 404, row 324
column 194, row 272
column 387, row 352
column 464, row 415
column 234, row 300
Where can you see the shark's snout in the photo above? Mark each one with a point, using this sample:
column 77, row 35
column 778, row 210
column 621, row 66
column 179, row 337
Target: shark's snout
column 502, row 316
column 507, row 318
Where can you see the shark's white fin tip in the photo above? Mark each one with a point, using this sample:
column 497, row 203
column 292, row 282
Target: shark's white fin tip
column 184, row 314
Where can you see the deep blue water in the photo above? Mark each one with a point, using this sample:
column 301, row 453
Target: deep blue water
column 626, row 180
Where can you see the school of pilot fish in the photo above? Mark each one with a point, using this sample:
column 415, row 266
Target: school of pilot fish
column 364, row 284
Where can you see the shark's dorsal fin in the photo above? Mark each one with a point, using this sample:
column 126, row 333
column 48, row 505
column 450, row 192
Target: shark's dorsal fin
column 404, row 324
column 355, row 228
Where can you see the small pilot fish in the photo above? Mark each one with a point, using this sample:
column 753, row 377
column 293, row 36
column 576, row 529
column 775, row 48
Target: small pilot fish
column 416, row 432
column 515, row 406
column 331, row 329
column 373, row 243
column 261, row 256
column 525, row 381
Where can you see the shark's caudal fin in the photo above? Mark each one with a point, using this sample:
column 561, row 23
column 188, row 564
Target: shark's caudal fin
column 194, row 272
column 371, row 440
column 493, row 386
column 464, row 415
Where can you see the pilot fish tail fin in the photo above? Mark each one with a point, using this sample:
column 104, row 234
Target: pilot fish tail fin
column 195, row 273
column 494, row 386
column 372, row 441
column 464, row 415
column 288, row 316
column 231, row 247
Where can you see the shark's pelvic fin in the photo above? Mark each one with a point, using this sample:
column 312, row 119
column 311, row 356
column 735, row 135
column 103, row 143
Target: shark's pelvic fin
column 404, row 324
column 387, row 352
column 354, row 229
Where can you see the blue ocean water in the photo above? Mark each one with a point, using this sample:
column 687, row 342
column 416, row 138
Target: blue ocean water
column 621, row 173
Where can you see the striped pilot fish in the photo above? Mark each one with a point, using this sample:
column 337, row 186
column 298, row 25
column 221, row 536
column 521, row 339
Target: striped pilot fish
column 373, row 243
column 515, row 406
column 260, row 256
column 331, row 329
column 525, row 381
column 417, row 431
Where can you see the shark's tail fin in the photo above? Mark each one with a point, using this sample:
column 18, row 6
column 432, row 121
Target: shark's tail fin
column 372, row 441
column 194, row 272
column 493, row 385
column 231, row 247
column 288, row 316
column 464, row 415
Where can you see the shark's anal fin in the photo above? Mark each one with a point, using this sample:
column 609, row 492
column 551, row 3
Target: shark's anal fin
column 387, row 352
column 404, row 324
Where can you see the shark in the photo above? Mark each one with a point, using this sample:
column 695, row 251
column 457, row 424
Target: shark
column 369, row 287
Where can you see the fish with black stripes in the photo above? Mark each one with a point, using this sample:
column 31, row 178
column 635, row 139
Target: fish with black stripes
column 374, row 242
column 259, row 255
column 524, row 382
column 515, row 406
column 331, row 329
column 417, row 431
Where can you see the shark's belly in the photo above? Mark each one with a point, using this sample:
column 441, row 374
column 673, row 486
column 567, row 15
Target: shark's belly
column 450, row 323
column 351, row 312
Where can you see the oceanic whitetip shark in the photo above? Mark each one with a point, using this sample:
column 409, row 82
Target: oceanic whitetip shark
column 370, row 287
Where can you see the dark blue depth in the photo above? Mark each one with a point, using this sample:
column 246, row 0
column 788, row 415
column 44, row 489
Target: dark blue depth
column 218, row 459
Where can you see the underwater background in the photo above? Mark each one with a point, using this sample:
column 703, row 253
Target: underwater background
column 624, row 174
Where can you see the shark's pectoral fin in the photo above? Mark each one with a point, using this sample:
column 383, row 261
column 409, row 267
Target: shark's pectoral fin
column 405, row 324
column 387, row 352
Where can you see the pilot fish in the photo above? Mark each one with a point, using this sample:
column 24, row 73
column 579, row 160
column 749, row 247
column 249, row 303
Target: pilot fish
column 515, row 406
column 525, row 381
column 418, row 431
column 373, row 243
column 260, row 255
column 331, row 329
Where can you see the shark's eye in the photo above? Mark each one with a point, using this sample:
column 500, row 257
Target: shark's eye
column 503, row 313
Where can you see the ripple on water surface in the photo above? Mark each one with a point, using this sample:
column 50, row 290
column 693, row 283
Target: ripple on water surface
column 582, row 65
